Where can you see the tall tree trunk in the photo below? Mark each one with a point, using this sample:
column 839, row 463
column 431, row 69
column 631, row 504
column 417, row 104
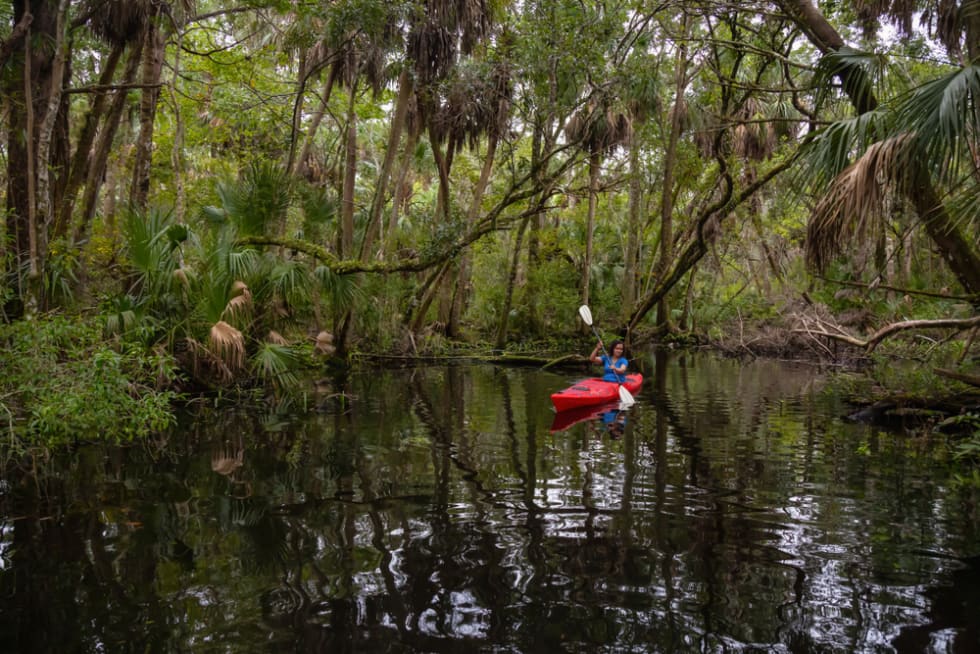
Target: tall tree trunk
column 301, row 78
column 502, row 328
column 350, row 176
column 405, row 90
column 667, row 189
column 346, row 245
column 82, row 160
column 635, row 206
column 962, row 257
column 177, row 152
column 459, row 299
column 27, row 85
column 398, row 196
column 442, row 166
column 302, row 162
column 541, row 141
column 153, row 51
column 103, row 146
column 44, row 203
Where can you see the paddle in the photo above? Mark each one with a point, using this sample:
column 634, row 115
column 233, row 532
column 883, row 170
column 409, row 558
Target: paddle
column 624, row 395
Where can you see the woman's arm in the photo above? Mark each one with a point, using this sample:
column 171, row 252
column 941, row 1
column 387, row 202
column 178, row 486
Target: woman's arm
column 594, row 357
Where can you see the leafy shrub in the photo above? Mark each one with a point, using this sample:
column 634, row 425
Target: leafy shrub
column 64, row 381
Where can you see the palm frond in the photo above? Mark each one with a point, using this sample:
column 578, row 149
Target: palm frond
column 290, row 281
column 836, row 145
column 861, row 72
column 276, row 364
column 227, row 344
column 242, row 264
column 259, row 200
column 852, row 208
column 276, row 338
column 123, row 314
column 202, row 359
column 239, row 303
column 324, row 344
column 943, row 113
column 342, row 290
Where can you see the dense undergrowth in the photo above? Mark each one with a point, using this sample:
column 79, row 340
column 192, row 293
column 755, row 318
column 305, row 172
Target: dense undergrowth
column 64, row 381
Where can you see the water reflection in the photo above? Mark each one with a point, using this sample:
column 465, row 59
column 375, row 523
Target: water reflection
column 439, row 511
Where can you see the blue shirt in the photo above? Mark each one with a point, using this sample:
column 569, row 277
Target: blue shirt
column 609, row 373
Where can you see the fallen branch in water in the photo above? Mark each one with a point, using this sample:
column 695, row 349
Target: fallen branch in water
column 869, row 344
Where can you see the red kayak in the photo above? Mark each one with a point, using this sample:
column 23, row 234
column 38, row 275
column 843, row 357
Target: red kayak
column 593, row 391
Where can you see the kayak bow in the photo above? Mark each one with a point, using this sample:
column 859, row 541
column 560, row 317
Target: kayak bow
column 593, row 391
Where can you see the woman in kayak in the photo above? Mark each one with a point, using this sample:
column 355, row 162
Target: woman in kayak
column 614, row 364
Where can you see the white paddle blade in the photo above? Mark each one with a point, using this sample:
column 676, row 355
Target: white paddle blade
column 586, row 314
column 625, row 397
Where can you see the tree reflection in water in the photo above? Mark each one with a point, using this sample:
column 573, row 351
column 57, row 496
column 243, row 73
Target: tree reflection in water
column 437, row 513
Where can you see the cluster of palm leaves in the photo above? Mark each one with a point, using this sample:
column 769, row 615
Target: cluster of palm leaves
column 230, row 314
column 915, row 143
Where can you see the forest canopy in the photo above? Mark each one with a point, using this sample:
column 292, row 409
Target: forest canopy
column 222, row 180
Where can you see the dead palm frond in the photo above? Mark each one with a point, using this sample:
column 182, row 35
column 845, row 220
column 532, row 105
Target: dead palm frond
column 852, row 209
column 599, row 128
column 204, row 364
column 324, row 344
column 239, row 303
column 476, row 103
column 120, row 21
column 226, row 460
column 227, row 344
column 276, row 338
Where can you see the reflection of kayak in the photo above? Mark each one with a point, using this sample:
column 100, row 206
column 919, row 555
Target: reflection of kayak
column 592, row 391
column 565, row 419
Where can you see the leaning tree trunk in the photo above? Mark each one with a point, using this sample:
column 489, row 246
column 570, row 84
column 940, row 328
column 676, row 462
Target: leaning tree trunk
column 398, row 197
column 81, row 161
column 302, row 162
column 103, row 147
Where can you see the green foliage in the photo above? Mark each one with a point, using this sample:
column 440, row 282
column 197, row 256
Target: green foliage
column 63, row 381
column 276, row 364
column 969, row 446
column 258, row 201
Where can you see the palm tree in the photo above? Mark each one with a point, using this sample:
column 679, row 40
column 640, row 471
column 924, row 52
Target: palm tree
column 599, row 129
column 922, row 145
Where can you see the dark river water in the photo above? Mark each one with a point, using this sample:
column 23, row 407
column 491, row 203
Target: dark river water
column 436, row 510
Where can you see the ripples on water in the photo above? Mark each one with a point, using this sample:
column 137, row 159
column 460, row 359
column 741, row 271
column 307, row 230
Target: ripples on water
column 439, row 513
